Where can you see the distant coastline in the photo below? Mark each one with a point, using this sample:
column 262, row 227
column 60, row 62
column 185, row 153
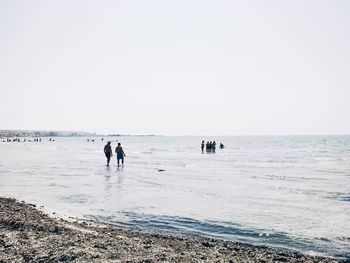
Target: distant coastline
column 44, row 133
column 53, row 133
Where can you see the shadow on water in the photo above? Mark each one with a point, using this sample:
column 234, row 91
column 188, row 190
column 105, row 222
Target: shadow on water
column 223, row 230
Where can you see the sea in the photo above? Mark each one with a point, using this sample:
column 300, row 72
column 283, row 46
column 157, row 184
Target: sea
column 280, row 191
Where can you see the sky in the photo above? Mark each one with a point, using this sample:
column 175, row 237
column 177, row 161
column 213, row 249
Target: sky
column 176, row 67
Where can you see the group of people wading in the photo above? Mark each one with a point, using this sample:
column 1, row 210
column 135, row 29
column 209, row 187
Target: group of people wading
column 210, row 146
column 118, row 150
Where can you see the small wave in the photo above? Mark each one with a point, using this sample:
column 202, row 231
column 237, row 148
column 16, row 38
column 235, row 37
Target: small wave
column 339, row 196
column 79, row 199
column 223, row 230
column 57, row 185
column 290, row 178
column 343, row 238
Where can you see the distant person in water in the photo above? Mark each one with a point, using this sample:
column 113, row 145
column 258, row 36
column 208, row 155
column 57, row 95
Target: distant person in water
column 120, row 153
column 210, row 146
column 108, row 152
column 222, row 146
column 202, row 146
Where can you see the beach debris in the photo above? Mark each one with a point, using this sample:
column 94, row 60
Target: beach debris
column 207, row 244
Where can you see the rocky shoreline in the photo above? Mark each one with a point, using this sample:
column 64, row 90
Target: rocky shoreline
column 29, row 235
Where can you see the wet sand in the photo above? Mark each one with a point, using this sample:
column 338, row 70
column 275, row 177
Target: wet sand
column 29, row 235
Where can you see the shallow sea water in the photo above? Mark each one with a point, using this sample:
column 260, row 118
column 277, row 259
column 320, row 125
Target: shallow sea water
column 283, row 191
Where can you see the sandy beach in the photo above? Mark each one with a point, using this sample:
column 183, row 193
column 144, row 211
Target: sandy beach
column 29, row 235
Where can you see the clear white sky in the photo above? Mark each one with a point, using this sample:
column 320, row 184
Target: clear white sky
column 176, row 67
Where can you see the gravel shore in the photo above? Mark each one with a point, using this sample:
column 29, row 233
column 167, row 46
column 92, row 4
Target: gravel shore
column 29, row 235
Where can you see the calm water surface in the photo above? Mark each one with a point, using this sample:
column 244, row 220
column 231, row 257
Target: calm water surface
column 283, row 191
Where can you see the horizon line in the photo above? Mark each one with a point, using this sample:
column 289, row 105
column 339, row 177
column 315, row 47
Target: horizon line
column 182, row 135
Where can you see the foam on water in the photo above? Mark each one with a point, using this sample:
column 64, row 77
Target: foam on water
column 287, row 191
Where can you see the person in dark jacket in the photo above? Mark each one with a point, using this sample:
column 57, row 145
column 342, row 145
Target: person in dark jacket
column 108, row 152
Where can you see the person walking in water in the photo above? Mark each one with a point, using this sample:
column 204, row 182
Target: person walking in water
column 120, row 153
column 202, row 146
column 108, row 152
